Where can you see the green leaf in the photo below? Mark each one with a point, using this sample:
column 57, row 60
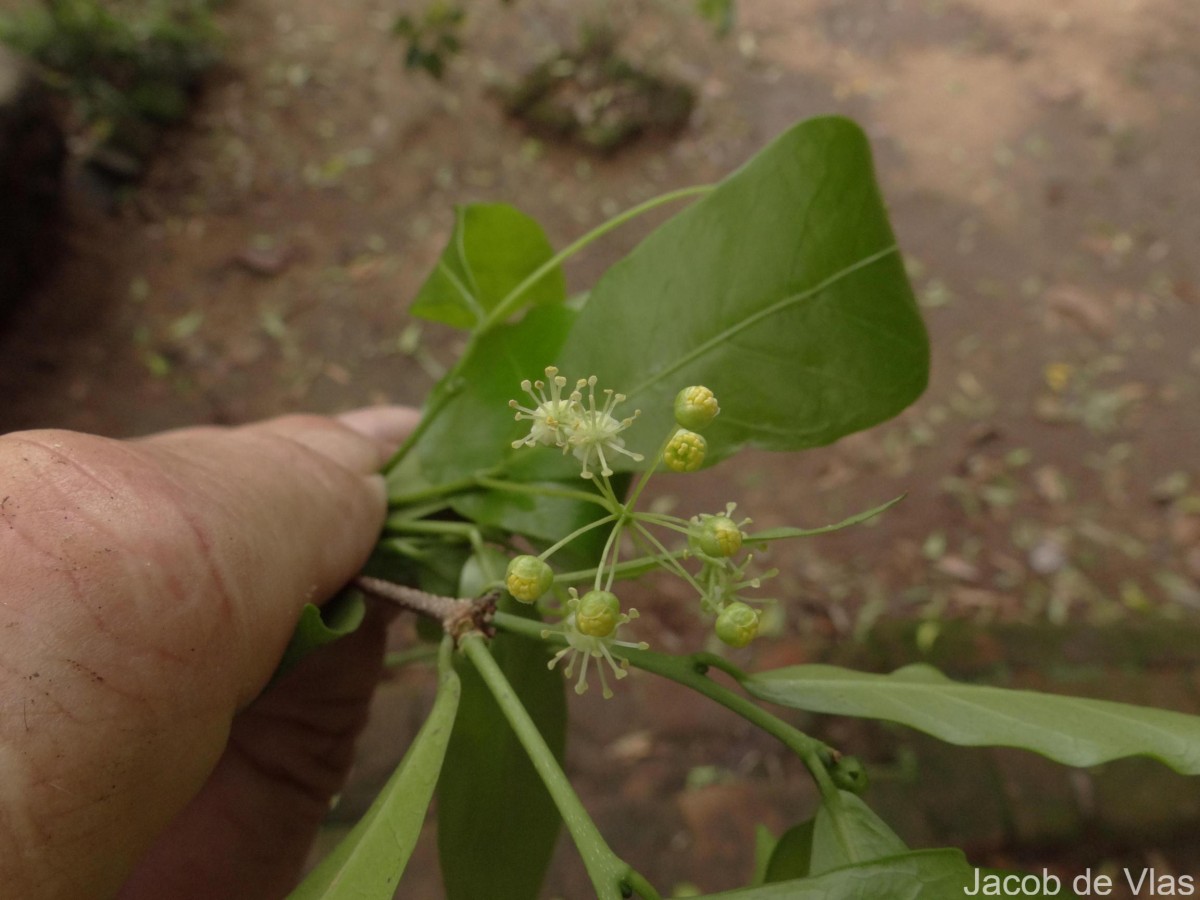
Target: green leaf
column 496, row 822
column 493, row 249
column 846, row 832
column 320, row 625
column 369, row 861
column 547, row 518
column 481, row 569
column 475, row 429
column 782, row 291
column 719, row 13
column 916, row 875
column 1070, row 730
column 791, row 855
column 920, row 875
column 786, row 532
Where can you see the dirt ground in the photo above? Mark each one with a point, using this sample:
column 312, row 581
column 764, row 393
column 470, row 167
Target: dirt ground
column 1040, row 163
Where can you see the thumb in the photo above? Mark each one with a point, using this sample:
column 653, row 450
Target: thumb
column 150, row 588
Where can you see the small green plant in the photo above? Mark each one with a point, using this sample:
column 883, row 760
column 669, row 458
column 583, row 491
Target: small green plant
column 773, row 312
column 719, row 13
column 432, row 37
column 124, row 65
column 588, row 95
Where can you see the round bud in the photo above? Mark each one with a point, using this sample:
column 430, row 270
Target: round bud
column 719, row 536
column 695, row 407
column 685, row 451
column 597, row 613
column 849, row 774
column 527, row 578
column 737, row 625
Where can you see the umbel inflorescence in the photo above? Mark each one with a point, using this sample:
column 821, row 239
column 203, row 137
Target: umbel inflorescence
column 567, row 423
column 592, row 433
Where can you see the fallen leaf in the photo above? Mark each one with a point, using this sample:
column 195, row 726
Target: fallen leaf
column 1082, row 308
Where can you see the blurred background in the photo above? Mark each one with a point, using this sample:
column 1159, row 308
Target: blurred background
column 215, row 212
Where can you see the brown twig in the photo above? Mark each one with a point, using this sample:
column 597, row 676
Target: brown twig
column 457, row 617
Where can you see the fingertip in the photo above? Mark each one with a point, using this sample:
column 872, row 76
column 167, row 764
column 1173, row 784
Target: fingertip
column 387, row 425
column 362, row 440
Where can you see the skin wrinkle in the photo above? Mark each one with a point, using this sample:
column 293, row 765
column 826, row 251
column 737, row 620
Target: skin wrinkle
column 179, row 581
column 119, row 554
column 57, row 457
column 100, row 703
column 315, row 472
column 323, row 773
column 327, row 747
column 129, row 637
column 53, row 804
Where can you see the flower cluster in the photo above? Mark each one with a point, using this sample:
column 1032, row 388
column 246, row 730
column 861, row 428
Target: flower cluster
column 576, row 422
column 695, row 408
column 586, row 430
column 716, row 540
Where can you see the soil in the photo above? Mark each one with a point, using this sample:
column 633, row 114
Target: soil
column 1040, row 166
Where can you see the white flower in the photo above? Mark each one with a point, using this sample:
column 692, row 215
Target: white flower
column 567, row 423
column 597, row 429
column 551, row 416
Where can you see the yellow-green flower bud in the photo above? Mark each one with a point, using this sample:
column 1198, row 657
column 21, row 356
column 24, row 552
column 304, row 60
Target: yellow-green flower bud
column 737, row 625
column 695, row 407
column 598, row 613
column 685, row 451
column 719, row 536
column 527, row 578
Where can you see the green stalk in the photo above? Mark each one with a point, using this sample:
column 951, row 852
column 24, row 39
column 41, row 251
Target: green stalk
column 610, row 545
column 668, row 560
column 665, row 520
column 691, row 671
column 606, row 491
column 650, row 470
column 610, row 875
column 521, row 487
column 433, row 526
column 397, row 658
column 451, row 383
column 508, row 305
column 582, row 529
column 631, row 568
column 432, row 492
column 420, row 511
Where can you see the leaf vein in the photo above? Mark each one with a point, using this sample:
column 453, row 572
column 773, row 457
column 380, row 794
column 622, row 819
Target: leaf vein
column 727, row 334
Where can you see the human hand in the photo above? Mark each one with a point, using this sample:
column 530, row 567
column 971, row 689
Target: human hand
column 147, row 591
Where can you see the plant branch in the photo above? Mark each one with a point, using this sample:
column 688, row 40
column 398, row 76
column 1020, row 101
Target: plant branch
column 457, row 617
column 610, row 875
column 691, row 671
